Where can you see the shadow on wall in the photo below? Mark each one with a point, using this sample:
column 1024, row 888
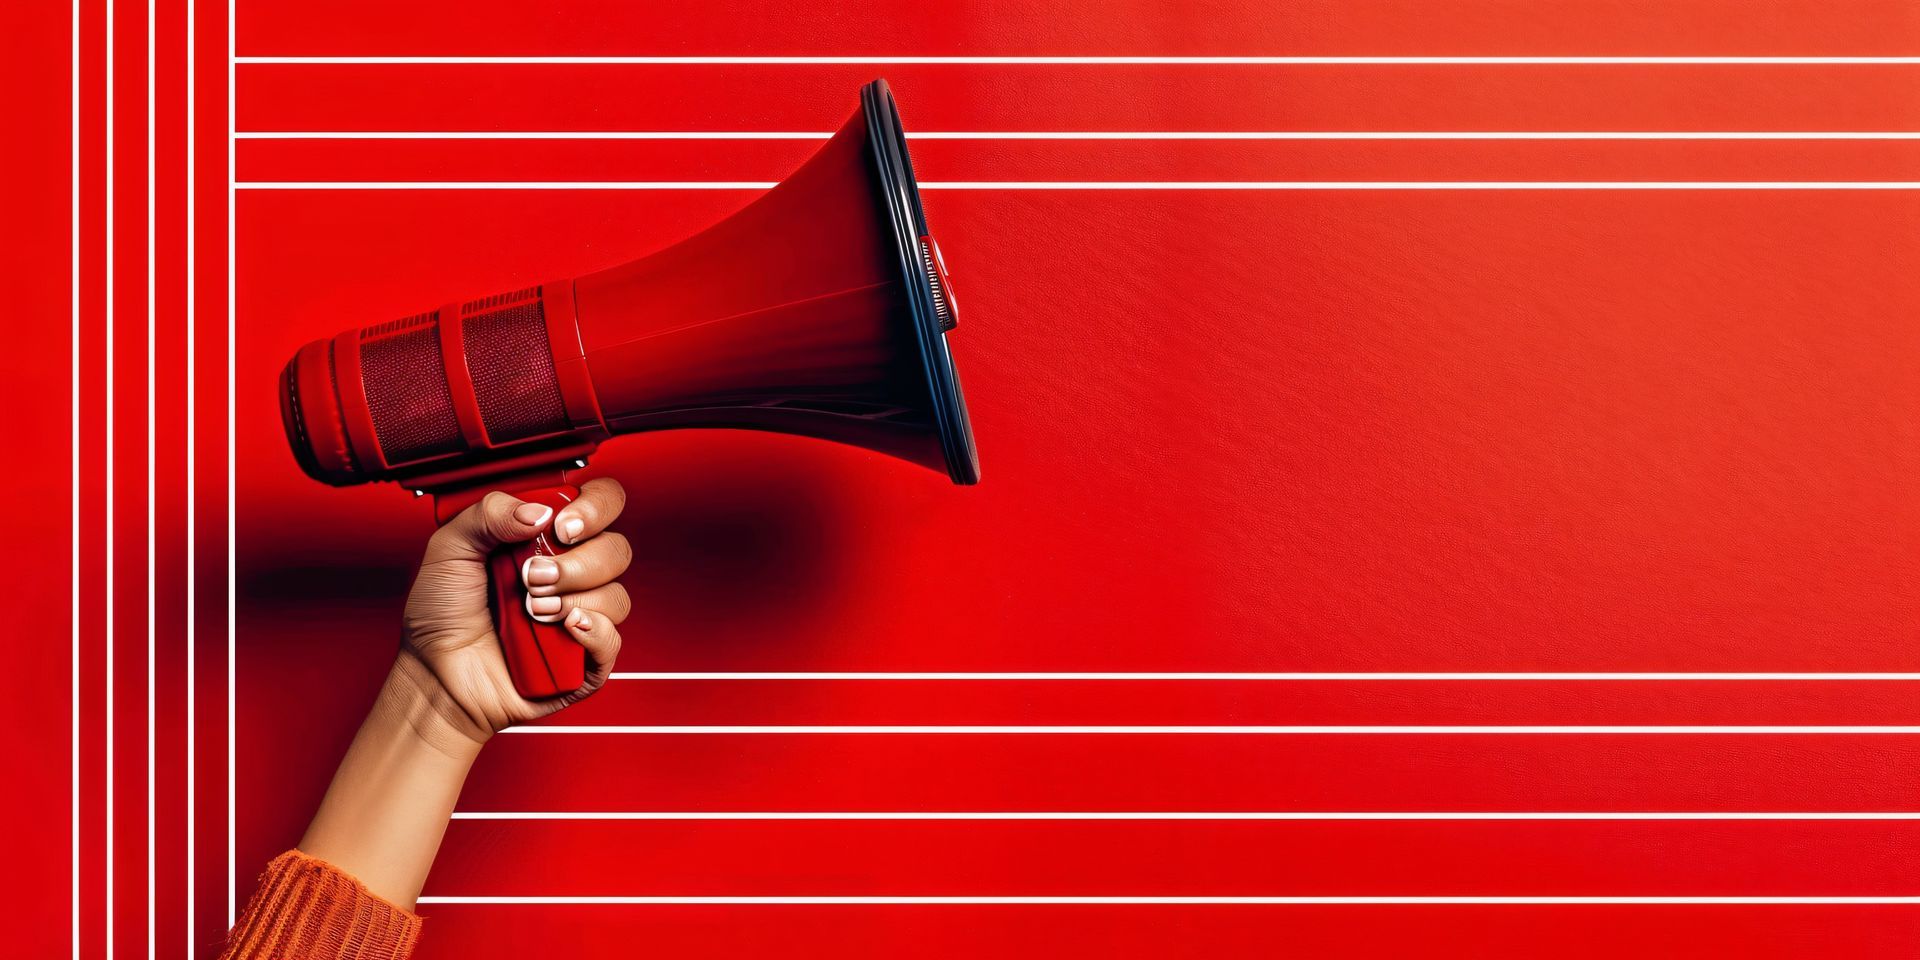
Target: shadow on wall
column 731, row 561
column 735, row 554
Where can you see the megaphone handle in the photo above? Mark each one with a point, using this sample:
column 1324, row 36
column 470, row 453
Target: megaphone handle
column 543, row 658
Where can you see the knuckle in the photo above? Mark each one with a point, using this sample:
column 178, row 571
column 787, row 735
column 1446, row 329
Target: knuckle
column 609, row 641
column 496, row 512
column 495, row 504
column 603, row 497
column 599, row 560
column 441, row 539
column 619, row 550
column 450, row 542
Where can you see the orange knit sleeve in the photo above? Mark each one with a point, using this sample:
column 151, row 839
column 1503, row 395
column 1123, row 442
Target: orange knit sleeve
column 309, row 909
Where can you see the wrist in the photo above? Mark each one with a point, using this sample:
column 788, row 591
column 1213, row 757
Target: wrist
column 388, row 806
column 415, row 704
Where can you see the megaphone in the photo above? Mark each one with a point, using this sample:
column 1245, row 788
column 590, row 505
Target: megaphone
column 821, row 309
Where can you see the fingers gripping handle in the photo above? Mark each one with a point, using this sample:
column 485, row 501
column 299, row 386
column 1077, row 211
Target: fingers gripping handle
column 543, row 658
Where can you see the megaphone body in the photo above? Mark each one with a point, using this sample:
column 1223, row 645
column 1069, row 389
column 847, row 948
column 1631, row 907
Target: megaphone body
column 821, row 309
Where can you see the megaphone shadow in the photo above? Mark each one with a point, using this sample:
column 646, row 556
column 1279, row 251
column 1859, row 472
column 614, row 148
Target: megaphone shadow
column 311, row 583
column 733, row 563
column 731, row 567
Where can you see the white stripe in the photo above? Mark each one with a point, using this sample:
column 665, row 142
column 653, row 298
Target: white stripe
column 73, row 520
column 1098, row 185
column 1265, row 730
column 1144, row 901
column 509, row 185
column 1088, row 135
column 1232, row 676
column 108, row 612
column 152, row 523
column 193, row 576
column 1283, row 815
column 232, row 577
column 1095, row 61
column 1421, row 185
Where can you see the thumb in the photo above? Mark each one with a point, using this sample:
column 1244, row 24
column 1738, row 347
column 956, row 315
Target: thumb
column 498, row 518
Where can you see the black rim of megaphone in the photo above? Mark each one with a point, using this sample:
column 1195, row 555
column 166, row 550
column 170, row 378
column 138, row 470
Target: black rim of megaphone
column 901, row 196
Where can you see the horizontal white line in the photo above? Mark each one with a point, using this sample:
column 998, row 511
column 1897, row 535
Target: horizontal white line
column 506, row 185
column 1093, row 185
column 1156, row 815
column 1142, row 901
column 1233, row 676
column 572, row 135
column 1086, row 135
column 1287, row 730
column 1421, row 185
column 1094, row 61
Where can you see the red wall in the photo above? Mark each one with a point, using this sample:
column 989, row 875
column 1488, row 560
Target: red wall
column 1231, row 431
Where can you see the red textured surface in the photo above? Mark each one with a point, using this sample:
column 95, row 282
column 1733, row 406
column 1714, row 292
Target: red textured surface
column 1086, row 97
column 1221, row 431
column 1317, row 431
column 976, row 27
column 35, row 370
column 941, row 160
column 1577, row 933
column 1068, row 858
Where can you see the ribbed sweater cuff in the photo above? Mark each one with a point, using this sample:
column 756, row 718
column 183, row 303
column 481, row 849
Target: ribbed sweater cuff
column 308, row 908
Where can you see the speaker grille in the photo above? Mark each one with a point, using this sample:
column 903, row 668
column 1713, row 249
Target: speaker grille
column 406, row 387
column 512, row 366
column 942, row 301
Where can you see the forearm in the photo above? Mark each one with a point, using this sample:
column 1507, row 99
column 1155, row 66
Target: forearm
column 384, row 815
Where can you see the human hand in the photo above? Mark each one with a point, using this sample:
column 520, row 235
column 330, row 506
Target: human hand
column 450, row 655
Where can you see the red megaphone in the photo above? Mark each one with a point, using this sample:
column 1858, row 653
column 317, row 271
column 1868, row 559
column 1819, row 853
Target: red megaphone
column 821, row 309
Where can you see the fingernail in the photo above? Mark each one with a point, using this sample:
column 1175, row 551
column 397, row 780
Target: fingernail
column 544, row 608
column 540, row 572
column 532, row 514
column 578, row 620
column 570, row 528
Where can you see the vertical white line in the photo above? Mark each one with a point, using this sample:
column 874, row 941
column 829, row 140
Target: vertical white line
column 232, row 628
column 152, row 526
column 192, row 385
column 108, row 619
column 73, row 518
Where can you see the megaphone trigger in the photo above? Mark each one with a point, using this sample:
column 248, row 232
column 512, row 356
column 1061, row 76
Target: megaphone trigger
column 542, row 657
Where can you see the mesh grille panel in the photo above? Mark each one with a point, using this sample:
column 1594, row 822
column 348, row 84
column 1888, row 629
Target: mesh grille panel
column 406, row 387
column 499, row 300
column 395, row 326
column 512, row 368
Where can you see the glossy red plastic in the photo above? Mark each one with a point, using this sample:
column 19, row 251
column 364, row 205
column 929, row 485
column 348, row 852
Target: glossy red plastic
column 543, row 658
